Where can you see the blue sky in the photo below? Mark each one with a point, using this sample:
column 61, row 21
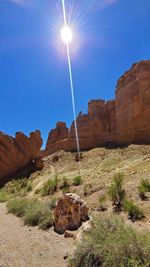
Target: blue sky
column 109, row 36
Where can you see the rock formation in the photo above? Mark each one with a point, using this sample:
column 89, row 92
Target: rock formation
column 69, row 213
column 133, row 105
column 124, row 120
column 18, row 152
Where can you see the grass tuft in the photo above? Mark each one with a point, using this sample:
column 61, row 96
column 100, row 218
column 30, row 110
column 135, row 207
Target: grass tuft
column 50, row 187
column 134, row 212
column 77, row 180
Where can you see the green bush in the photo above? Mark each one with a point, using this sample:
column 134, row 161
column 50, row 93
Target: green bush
column 134, row 212
column 143, row 187
column 50, row 187
column 116, row 192
column 112, row 243
column 18, row 206
column 34, row 212
column 77, row 180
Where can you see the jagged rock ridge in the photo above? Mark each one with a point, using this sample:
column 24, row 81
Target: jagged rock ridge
column 125, row 120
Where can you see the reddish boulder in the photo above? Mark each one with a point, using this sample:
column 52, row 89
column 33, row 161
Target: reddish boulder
column 16, row 153
column 69, row 213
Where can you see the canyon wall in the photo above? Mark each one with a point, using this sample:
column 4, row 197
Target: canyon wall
column 16, row 153
column 124, row 120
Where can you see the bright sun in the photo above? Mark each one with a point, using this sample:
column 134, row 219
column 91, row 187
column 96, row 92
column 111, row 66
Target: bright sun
column 66, row 34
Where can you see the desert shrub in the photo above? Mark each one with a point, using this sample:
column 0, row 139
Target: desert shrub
column 116, row 192
column 112, row 243
column 34, row 212
column 143, row 187
column 4, row 196
column 38, row 213
column 102, row 202
column 18, row 206
column 50, row 187
column 133, row 210
column 77, row 180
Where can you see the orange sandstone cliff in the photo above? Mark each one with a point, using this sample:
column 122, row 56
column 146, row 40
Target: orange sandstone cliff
column 16, row 153
column 124, row 120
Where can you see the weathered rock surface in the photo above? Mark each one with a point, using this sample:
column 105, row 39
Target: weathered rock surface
column 57, row 138
column 18, row 152
column 133, row 105
column 125, row 120
column 69, row 213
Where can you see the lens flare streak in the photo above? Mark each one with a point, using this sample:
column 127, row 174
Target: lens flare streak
column 71, row 83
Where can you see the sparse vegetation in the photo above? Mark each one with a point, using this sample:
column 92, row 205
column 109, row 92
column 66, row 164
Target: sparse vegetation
column 102, row 203
column 34, row 212
column 14, row 188
column 133, row 210
column 116, row 192
column 143, row 188
column 4, row 196
column 37, row 191
column 52, row 203
column 17, row 206
column 50, row 187
column 112, row 243
column 77, row 180
column 64, row 186
column 87, row 189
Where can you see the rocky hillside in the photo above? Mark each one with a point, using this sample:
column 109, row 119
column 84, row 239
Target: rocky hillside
column 125, row 120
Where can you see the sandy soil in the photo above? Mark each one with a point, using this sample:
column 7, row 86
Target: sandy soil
column 23, row 246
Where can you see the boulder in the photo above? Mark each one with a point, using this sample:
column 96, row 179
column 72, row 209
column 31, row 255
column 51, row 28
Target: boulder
column 16, row 153
column 69, row 213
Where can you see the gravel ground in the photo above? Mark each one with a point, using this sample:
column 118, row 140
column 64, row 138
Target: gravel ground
column 23, row 246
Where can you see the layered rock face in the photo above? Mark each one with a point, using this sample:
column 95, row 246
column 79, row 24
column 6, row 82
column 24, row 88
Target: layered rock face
column 18, row 152
column 69, row 213
column 94, row 129
column 124, row 120
column 133, row 105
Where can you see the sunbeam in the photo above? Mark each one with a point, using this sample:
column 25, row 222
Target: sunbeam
column 71, row 84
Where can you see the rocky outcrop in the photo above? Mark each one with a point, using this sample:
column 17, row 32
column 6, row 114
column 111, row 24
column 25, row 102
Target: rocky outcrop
column 56, row 138
column 18, row 152
column 69, row 213
column 133, row 105
column 124, row 120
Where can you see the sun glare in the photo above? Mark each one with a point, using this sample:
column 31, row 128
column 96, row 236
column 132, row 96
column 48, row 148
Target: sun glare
column 66, row 34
